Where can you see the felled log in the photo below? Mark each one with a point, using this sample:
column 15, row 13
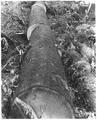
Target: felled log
column 42, row 82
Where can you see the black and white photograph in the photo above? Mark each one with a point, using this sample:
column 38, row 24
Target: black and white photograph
column 48, row 59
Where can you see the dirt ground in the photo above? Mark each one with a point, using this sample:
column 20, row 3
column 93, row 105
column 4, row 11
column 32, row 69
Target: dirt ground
column 73, row 24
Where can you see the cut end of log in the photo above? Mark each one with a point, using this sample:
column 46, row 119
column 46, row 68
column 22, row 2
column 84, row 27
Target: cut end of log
column 40, row 4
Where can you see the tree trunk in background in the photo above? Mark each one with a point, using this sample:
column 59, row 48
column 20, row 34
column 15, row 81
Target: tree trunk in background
column 42, row 82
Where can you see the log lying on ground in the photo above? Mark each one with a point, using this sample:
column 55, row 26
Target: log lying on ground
column 42, row 82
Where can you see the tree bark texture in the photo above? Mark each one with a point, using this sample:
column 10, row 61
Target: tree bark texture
column 42, row 80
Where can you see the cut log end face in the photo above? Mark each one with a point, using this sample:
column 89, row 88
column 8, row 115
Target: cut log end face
column 39, row 4
column 48, row 104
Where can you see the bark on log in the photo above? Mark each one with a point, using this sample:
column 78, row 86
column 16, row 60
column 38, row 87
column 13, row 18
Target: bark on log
column 42, row 82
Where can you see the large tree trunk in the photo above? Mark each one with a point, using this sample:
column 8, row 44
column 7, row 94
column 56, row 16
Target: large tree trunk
column 42, row 82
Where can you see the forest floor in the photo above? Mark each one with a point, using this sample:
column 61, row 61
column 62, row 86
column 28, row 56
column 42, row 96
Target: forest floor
column 73, row 24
